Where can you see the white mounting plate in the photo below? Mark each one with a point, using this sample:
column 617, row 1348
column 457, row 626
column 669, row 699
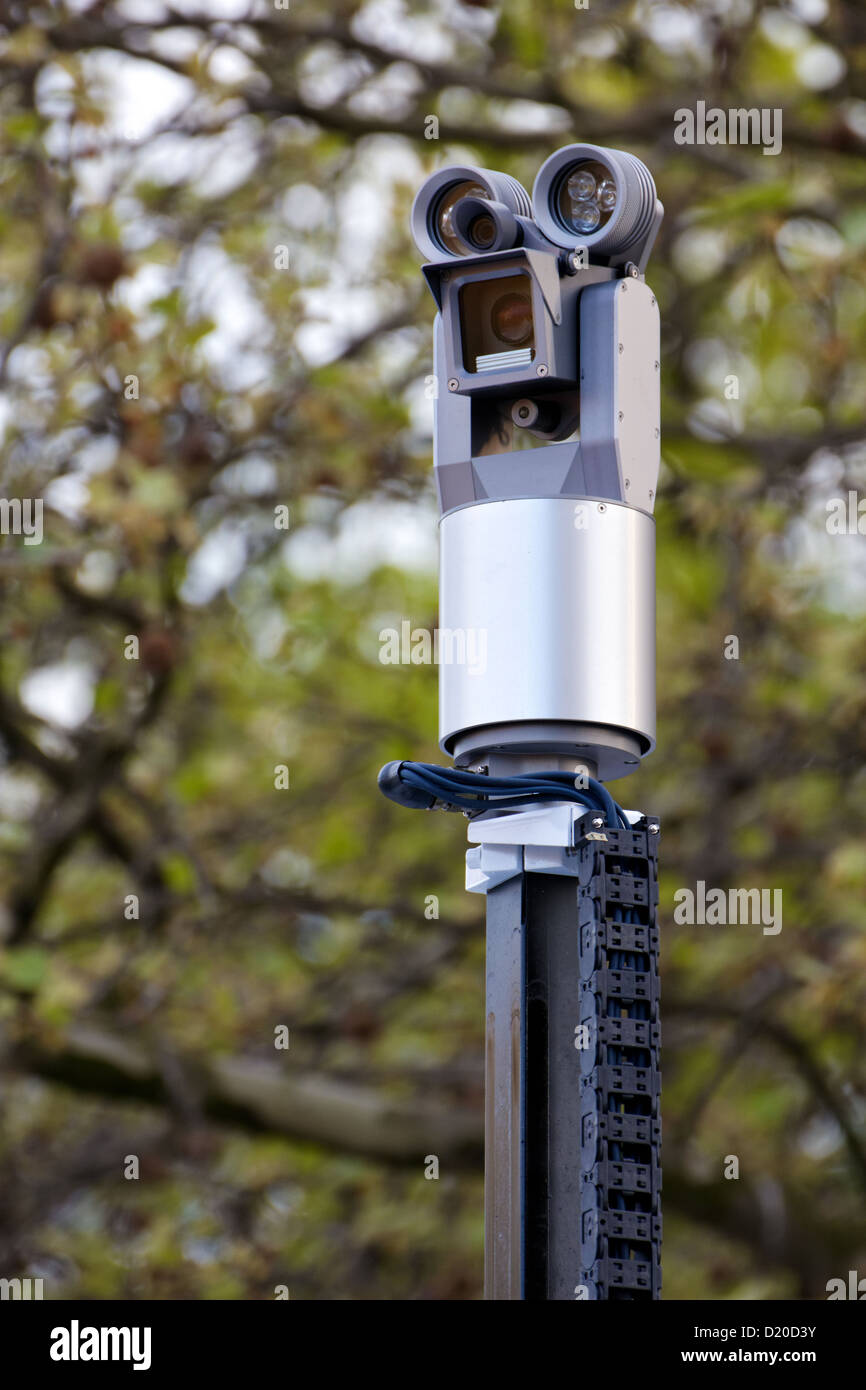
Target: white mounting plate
column 531, row 841
column 549, row 824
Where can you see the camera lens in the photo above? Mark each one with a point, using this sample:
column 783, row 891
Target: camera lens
column 496, row 323
column 482, row 232
column 443, row 217
column 511, row 318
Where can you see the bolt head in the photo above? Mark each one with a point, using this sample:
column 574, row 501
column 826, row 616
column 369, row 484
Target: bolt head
column 541, row 370
column 652, row 828
column 453, row 384
column 598, row 822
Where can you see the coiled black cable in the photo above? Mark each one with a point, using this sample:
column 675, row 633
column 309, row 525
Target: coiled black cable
column 425, row 786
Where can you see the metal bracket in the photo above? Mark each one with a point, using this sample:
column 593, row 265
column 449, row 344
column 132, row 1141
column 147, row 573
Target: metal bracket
column 539, row 840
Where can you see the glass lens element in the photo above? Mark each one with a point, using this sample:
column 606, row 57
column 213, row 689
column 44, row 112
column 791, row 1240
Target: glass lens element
column 511, row 319
column 607, row 193
column 581, row 185
column 482, row 232
column 443, row 215
column 585, row 217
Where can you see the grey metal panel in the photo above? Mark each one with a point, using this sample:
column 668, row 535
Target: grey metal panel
column 601, row 751
column 547, row 472
column 452, row 427
column 559, row 596
column 619, row 391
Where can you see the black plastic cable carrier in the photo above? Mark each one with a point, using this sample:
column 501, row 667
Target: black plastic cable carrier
column 617, row 898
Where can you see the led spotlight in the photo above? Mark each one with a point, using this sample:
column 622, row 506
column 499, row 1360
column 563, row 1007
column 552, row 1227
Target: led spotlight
column 443, row 226
column 603, row 199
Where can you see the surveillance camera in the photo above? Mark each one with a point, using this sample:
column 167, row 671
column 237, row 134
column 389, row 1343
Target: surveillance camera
column 508, row 299
column 547, row 365
column 547, row 359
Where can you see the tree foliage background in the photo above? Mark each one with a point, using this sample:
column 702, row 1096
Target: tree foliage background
column 210, row 308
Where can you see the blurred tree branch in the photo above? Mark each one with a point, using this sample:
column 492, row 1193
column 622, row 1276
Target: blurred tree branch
column 262, row 1096
column 356, row 1118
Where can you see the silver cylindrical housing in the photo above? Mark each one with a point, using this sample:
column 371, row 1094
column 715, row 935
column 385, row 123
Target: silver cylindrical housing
column 547, row 632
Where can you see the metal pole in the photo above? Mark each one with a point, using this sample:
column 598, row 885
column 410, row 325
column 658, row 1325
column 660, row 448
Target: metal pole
column 572, row 1131
column 504, row 1093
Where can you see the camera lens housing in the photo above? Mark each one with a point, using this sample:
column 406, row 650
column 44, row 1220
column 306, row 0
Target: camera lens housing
column 602, row 199
column 484, row 226
column 441, row 226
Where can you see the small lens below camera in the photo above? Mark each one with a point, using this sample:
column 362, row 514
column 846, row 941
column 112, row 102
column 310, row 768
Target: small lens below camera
column 481, row 232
